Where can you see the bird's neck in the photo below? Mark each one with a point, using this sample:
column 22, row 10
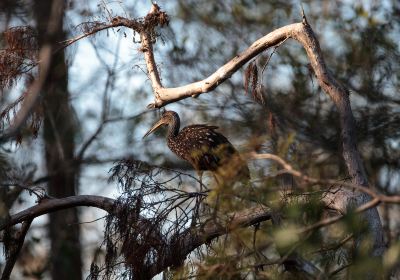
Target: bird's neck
column 173, row 128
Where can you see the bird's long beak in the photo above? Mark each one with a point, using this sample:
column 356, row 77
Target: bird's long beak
column 155, row 126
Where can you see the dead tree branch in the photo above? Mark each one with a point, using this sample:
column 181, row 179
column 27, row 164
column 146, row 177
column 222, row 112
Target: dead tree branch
column 340, row 97
column 48, row 205
column 178, row 247
column 331, row 220
column 16, row 246
column 184, row 243
column 303, row 33
column 288, row 169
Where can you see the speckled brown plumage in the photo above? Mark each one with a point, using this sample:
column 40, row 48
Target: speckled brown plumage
column 204, row 148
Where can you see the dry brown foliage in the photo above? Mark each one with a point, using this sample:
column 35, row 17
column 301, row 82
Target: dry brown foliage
column 18, row 55
column 252, row 84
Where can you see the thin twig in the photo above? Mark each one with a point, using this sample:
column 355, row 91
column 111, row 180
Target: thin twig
column 290, row 170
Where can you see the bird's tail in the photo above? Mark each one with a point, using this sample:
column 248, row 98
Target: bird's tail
column 234, row 170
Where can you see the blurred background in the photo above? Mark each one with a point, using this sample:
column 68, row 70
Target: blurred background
column 97, row 113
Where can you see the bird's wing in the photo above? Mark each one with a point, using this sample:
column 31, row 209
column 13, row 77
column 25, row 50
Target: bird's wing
column 200, row 126
column 200, row 135
column 205, row 146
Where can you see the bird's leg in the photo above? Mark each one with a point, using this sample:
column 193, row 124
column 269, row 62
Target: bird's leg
column 200, row 174
column 218, row 189
column 216, row 179
column 199, row 208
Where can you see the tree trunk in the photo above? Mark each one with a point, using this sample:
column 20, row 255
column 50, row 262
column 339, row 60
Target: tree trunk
column 59, row 134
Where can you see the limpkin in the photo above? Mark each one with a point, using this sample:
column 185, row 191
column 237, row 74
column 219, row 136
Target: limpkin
column 204, row 148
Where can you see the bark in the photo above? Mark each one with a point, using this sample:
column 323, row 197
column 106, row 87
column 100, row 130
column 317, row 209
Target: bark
column 340, row 97
column 58, row 136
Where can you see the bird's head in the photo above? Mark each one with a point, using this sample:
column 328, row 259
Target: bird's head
column 168, row 117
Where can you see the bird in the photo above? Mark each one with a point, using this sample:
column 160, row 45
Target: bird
column 204, row 148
